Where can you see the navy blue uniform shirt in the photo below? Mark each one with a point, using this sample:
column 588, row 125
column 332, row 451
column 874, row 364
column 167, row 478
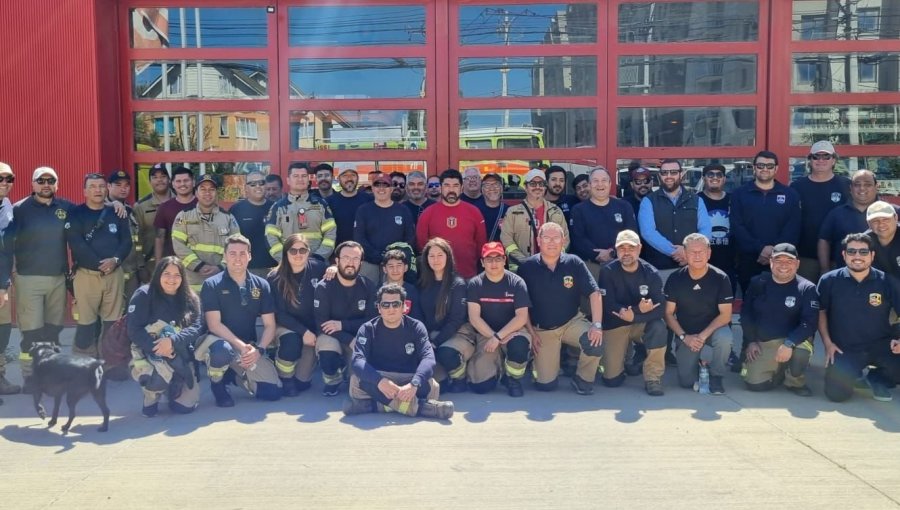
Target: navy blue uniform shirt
column 251, row 219
column 596, row 226
column 556, row 293
column 350, row 305
column 859, row 313
column 887, row 258
column 760, row 218
column 404, row 349
column 621, row 289
column 343, row 210
column 111, row 238
column 238, row 306
column 817, row 199
column 455, row 313
column 840, row 221
column 779, row 310
column 298, row 317
column 376, row 227
column 39, row 228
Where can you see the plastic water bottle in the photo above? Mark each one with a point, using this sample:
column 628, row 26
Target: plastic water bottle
column 703, row 384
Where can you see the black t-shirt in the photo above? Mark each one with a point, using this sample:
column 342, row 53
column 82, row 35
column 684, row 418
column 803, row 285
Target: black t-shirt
column 404, row 349
column 621, row 289
column 251, row 219
column 493, row 219
column 721, row 242
column 556, row 293
column 697, row 301
column 779, row 310
column 887, row 258
column 498, row 300
column 817, row 199
column 343, row 209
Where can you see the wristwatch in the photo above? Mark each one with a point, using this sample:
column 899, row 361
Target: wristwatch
column 415, row 383
column 116, row 260
column 681, row 337
column 597, row 325
column 497, row 337
column 789, row 344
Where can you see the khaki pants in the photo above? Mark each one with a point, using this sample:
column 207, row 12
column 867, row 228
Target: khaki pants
column 40, row 300
column 131, row 284
column 303, row 368
column 615, row 346
column 546, row 359
column 263, row 372
column 765, row 370
column 410, row 408
column 155, row 378
column 484, row 366
column 462, row 342
column 99, row 295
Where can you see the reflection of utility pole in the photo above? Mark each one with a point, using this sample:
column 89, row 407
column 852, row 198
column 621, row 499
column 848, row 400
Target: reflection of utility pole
column 645, row 121
column 504, row 69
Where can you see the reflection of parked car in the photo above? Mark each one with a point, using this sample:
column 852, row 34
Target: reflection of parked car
column 736, row 175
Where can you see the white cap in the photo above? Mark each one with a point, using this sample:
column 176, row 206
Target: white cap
column 5, row 169
column 42, row 171
column 822, row 146
column 534, row 173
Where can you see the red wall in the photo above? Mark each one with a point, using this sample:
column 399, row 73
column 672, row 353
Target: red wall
column 59, row 90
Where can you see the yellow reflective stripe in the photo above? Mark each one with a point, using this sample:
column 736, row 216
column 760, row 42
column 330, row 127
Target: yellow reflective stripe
column 275, row 249
column 513, row 267
column 328, row 243
column 285, row 367
column 327, row 225
column 332, row 379
column 273, row 230
column 403, row 408
column 216, row 374
column 190, row 259
column 458, row 372
column 209, row 248
column 24, row 356
column 511, row 248
column 312, row 235
column 806, row 345
column 513, row 371
column 385, row 408
column 196, row 288
column 181, row 236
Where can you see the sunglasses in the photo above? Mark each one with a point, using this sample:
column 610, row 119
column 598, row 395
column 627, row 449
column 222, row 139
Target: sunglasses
column 641, row 182
column 714, row 175
column 256, row 184
column 399, row 185
column 45, row 180
column 8, row 178
column 765, row 166
column 669, row 172
column 858, row 251
column 390, row 304
column 821, row 157
column 434, row 185
column 298, row 251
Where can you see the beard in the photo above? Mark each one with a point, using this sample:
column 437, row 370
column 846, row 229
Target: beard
column 450, row 198
column 348, row 272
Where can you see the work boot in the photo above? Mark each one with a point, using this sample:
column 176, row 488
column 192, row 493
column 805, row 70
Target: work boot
column 288, row 387
column 220, row 392
column 8, row 388
column 150, row 411
column 581, row 386
column 457, row 385
column 514, row 387
column 654, row 388
column 358, row 406
column 438, row 409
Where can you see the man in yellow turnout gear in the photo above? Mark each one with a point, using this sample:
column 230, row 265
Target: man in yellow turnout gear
column 518, row 233
column 303, row 213
column 199, row 234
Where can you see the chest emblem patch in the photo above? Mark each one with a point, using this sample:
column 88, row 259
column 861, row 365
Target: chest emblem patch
column 451, row 222
column 790, row 301
column 61, row 214
column 568, row 282
column 410, row 348
column 836, row 197
column 618, row 217
column 255, row 293
column 780, row 199
column 398, row 220
column 113, row 228
column 875, row 299
column 644, row 290
column 361, row 304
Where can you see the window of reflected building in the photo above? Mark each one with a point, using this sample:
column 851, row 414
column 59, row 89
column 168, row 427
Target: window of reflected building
column 193, row 79
column 685, row 127
column 656, row 22
column 199, row 27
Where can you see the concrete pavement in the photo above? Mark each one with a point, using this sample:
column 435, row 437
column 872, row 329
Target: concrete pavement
column 616, row 449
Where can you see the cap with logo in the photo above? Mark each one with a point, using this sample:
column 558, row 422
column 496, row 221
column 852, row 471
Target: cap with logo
column 880, row 209
column 42, row 171
column 627, row 237
column 639, row 173
column 116, row 176
column 159, row 167
column 533, row 174
column 822, row 146
column 492, row 249
column 207, row 178
column 786, row 249
column 385, row 178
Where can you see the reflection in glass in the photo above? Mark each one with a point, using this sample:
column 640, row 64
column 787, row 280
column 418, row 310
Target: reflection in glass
column 347, row 78
column 686, row 127
column 522, row 128
column 846, row 72
column 690, row 74
column 886, row 169
column 233, row 175
column 358, row 129
column 208, row 79
column 738, row 171
column 846, row 19
column 528, row 24
column 513, row 171
column 192, row 131
column 364, row 168
column 352, row 25
column 527, row 76
column 199, row 27
column 846, row 125
column 655, row 22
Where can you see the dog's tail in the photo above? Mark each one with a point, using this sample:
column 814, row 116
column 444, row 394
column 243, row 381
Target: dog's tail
column 98, row 374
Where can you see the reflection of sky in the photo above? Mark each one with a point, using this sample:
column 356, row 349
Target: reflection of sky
column 359, row 78
column 356, row 26
column 220, row 27
column 527, row 24
column 472, row 119
column 482, row 77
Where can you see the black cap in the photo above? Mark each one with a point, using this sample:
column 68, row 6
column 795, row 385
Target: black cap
column 159, row 167
column 117, row 175
column 714, row 166
column 208, row 178
column 492, row 175
column 785, row 249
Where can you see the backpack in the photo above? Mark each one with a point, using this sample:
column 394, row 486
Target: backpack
column 115, row 346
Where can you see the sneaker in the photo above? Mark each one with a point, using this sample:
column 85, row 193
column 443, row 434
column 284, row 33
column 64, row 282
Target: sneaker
column 733, row 359
column 715, row 385
column 220, row 392
column 880, row 392
column 8, row 388
column 800, row 391
column 438, row 409
column 150, row 411
column 358, row 406
column 514, row 387
column 331, row 390
column 654, row 388
column 457, row 385
column 581, row 386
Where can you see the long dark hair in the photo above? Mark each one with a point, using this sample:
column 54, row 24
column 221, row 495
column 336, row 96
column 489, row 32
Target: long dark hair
column 284, row 275
column 427, row 277
column 185, row 298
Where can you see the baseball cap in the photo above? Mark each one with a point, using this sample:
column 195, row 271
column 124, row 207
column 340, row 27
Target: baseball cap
column 533, row 174
column 822, row 146
column 492, row 249
column 159, row 167
column 880, row 209
column 116, row 176
column 5, row 169
column 786, row 249
column 640, row 172
column 627, row 237
column 385, row 178
column 494, row 176
column 348, row 169
column 712, row 167
column 42, row 171
column 207, row 178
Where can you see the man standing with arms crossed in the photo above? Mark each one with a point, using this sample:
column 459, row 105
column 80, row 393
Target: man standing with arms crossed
column 145, row 214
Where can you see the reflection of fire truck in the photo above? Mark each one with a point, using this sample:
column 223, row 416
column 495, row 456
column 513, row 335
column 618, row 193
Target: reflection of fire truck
column 512, row 171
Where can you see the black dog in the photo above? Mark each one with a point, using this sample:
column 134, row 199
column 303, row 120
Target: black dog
column 75, row 376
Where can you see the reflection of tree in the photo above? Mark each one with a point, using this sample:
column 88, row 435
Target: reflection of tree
column 144, row 132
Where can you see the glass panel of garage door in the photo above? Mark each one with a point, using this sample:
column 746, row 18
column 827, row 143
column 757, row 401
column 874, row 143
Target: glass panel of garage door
column 510, row 25
column 355, row 25
column 528, row 128
column 199, row 27
column 357, row 129
column 348, row 78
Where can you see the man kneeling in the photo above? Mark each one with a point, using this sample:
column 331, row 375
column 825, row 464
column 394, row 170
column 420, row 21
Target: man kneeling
column 393, row 364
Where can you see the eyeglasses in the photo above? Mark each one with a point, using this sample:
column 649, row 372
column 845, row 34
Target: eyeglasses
column 399, row 184
column 256, row 184
column 765, row 166
column 857, row 251
column 493, row 260
column 7, row 178
column 494, row 186
column 345, row 258
column 641, row 182
column 45, row 180
column 434, row 185
column 298, row 251
column 551, row 239
column 390, row 304
column 821, row 157
column 669, row 172
column 714, row 175
column 537, row 184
